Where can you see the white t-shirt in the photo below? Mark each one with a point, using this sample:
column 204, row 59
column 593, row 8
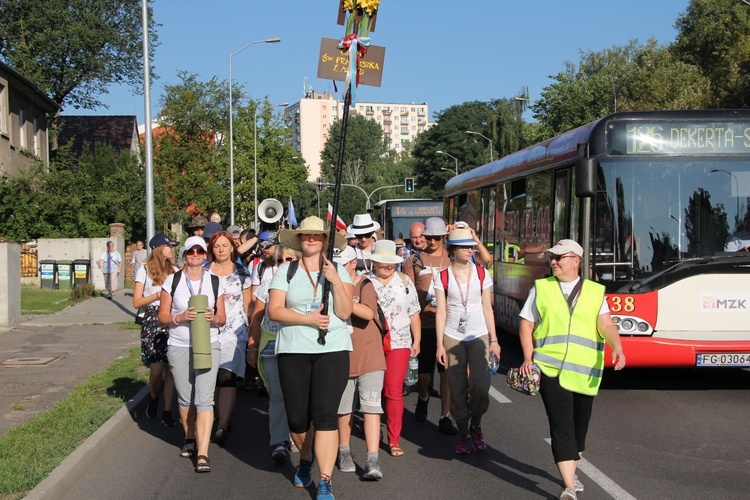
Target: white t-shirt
column 531, row 313
column 399, row 303
column 110, row 262
column 179, row 336
column 256, row 280
column 476, row 325
column 141, row 276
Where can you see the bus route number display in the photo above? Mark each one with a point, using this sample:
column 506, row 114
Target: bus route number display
column 411, row 210
column 646, row 138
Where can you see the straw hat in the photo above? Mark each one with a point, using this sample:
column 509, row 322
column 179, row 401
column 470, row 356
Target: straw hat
column 311, row 225
column 384, row 252
column 363, row 224
column 461, row 238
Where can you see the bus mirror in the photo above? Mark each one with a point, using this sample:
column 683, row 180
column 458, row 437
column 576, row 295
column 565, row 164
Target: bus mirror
column 586, row 177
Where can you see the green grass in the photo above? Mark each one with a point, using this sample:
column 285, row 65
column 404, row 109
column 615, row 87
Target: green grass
column 29, row 452
column 36, row 300
column 128, row 325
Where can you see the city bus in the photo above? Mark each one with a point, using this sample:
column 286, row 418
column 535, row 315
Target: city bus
column 396, row 216
column 654, row 198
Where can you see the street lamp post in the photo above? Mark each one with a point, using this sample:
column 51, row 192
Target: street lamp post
column 231, row 135
column 492, row 146
column 367, row 196
column 454, row 159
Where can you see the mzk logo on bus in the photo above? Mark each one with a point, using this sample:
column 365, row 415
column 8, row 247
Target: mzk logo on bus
column 719, row 302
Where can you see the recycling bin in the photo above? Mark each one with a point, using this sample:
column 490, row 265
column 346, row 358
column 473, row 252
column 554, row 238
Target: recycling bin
column 48, row 273
column 81, row 270
column 64, row 274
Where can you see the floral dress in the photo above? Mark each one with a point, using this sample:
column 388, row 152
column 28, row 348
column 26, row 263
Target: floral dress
column 233, row 335
column 398, row 300
column 153, row 336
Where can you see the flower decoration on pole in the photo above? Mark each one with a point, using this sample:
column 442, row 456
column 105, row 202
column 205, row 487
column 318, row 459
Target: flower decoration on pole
column 360, row 20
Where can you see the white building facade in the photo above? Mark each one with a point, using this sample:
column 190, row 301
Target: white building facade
column 310, row 120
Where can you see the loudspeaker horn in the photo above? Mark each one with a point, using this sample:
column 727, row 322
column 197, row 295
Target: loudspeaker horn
column 270, row 210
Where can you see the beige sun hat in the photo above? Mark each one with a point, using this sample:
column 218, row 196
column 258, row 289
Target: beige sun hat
column 461, row 238
column 311, row 225
column 384, row 252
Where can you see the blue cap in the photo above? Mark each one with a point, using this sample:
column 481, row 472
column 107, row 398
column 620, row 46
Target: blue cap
column 161, row 239
column 211, row 229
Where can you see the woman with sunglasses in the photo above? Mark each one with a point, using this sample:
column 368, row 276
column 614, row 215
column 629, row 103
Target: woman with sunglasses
column 465, row 327
column 364, row 229
column 261, row 354
column 195, row 387
column 313, row 368
column 564, row 324
column 223, row 262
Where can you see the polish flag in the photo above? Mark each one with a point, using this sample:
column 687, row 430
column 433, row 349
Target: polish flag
column 340, row 224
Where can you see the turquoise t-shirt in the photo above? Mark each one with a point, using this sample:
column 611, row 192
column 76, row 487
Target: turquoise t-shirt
column 303, row 339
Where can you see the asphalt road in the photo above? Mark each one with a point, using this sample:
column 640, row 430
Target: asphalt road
column 654, row 434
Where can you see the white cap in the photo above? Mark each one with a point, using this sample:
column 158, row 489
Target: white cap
column 344, row 256
column 194, row 241
column 566, row 246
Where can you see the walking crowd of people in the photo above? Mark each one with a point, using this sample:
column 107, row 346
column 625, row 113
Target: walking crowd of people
column 234, row 306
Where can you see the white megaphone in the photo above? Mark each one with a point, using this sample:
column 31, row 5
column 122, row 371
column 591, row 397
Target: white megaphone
column 270, row 210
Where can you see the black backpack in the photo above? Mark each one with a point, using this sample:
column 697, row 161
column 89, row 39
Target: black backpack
column 214, row 285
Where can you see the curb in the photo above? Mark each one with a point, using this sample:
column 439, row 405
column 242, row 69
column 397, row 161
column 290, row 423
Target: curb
column 66, row 475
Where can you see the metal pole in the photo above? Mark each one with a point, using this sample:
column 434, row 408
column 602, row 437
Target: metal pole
column 255, row 165
column 492, row 146
column 147, row 109
column 231, row 148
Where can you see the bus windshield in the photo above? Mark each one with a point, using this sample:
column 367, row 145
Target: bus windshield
column 650, row 214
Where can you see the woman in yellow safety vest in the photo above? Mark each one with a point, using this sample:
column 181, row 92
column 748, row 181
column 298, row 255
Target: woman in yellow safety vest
column 564, row 324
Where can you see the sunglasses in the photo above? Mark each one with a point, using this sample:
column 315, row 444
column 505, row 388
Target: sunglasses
column 196, row 251
column 368, row 235
column 560, row 257
column 281, row 261
column 433, row 238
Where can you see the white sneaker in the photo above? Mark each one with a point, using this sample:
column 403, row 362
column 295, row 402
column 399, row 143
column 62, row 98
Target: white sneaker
column 568, row 494
column 578, row 484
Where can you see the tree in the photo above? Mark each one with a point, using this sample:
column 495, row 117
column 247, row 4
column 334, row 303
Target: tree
column 714, row 35
column 190, row 172
column 74, row 49
column 449, row 135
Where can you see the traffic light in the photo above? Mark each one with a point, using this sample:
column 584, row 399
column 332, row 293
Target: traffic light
column 320, row 184
column 409, row 184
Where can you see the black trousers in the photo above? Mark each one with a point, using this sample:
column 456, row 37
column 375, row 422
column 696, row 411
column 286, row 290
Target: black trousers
column 568, row 414
column 312, row 385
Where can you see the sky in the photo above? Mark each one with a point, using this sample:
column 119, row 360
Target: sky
column 439, row 52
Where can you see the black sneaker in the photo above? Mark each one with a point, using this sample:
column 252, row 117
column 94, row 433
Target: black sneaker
column 420, row 413
column 166, row 419
column 446, row 426
column 153, row 403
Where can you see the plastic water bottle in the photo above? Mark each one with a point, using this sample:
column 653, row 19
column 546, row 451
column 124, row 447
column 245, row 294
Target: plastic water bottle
column 494, row 363
column 412, row 373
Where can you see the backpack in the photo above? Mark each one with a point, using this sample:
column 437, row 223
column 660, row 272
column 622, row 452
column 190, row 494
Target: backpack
column 444, row 277
column 241, row 271
column 214, row 285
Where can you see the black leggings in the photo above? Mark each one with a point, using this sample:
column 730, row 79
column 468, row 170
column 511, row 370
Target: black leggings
column 312, row 385
column 568, row 414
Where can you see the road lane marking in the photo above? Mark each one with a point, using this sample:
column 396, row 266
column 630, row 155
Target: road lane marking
column 498, row 396
column 600, row 478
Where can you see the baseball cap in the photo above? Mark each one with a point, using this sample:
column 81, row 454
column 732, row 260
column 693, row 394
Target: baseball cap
column 566, row 246
column 161, row 239
column 211, row 229
column 234, row 229
column 344, row 256
column 194, row 241
column 271, row 239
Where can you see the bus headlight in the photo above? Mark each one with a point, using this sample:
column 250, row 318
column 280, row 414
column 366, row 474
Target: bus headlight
column 631, row 325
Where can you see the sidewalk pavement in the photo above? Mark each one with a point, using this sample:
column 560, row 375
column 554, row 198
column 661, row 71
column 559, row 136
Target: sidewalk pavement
column 46, row 357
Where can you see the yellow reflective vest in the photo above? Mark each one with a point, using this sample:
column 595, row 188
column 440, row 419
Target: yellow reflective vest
column 569, row 346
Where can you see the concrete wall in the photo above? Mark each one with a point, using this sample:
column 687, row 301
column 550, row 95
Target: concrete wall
column 10, row 284
column 82, row 248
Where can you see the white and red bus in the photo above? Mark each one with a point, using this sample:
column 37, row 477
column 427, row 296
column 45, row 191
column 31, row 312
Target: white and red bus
column 653, row 197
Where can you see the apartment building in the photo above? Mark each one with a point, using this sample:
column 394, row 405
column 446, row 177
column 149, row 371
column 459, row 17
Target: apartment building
column 311, row 118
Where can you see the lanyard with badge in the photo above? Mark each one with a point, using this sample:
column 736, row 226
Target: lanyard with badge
column 463, row 320
column 190, row 286
column 309, row 308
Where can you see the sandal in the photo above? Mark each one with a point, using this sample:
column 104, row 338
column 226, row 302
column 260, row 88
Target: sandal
column 202, row 466
column 187, row 450
column 396, row 451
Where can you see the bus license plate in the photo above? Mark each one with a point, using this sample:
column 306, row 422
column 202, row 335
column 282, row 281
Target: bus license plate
column 723, row 359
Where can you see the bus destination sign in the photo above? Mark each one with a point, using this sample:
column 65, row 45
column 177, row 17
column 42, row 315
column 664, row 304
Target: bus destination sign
column 693, row 138
column 428, row 209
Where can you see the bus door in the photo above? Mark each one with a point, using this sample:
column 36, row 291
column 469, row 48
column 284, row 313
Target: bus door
column 487, row 225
